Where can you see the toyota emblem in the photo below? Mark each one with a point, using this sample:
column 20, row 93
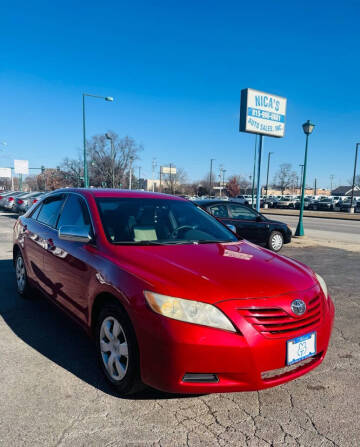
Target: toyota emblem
column 298, row 307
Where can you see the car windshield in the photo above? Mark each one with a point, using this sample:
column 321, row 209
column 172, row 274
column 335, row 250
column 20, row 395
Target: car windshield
column 143, row 221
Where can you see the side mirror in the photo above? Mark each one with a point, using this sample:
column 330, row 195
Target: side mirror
column 231, row 227
column 74, row 233
column 259, row 218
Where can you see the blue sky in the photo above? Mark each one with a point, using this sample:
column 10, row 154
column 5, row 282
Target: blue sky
column 176, row 70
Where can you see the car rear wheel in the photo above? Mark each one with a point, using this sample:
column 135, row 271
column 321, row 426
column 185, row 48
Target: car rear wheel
column 22, row 283
column 117, row 350
column 276, row 241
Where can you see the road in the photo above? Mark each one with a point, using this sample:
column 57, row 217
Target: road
column 53, row 394
column 325, row 230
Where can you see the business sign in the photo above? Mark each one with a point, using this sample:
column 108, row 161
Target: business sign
column 21, row 166
column 5, row 172
column 262, row 113
column 168, row 170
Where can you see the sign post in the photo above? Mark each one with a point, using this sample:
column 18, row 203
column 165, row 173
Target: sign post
column 262, row 114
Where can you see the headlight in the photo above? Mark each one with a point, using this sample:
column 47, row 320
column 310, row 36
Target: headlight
column 188, row 311
column 322, row 285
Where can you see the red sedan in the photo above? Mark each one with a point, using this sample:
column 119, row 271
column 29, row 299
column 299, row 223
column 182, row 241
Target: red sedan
column 173, row 298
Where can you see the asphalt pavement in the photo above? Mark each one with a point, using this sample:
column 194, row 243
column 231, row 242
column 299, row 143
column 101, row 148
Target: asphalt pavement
column 325, row 230
column 53, row 394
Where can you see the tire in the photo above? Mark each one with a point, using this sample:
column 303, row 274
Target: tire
column 22, row 284
column 276, row 241
column 123, row 373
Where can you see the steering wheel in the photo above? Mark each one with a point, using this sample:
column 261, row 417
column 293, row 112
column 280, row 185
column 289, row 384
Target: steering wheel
column 175, row 232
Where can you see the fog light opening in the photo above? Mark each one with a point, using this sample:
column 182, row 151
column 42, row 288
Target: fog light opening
column 200, row 378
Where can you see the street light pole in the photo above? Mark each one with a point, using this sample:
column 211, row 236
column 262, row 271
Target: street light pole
column 354, row 177
column 130, row 173
column 302, row 173
column 107, row 98
column 308, row 128
column 211, row 168
column 267, row 175
column 109, row 137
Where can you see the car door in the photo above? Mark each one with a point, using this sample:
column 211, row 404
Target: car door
column 67, row 261
column 248, row 223
column 37, row 230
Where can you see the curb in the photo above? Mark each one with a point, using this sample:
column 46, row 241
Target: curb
column 351, row 219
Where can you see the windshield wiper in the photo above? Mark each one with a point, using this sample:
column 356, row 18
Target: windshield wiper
column 212, row 241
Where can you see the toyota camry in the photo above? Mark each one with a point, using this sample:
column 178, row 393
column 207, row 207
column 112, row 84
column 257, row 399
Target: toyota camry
column 172, row 297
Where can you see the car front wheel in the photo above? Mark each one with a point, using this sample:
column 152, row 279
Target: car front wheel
column 276, row 241
column 117, row 350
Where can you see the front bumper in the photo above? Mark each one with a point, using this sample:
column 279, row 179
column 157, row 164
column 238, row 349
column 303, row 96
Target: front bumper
column 245, row 361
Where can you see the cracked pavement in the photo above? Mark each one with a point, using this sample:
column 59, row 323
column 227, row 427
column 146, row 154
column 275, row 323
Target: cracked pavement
column 53, row 394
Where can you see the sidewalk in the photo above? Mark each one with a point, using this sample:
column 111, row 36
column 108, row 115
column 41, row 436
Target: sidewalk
column 309, row 213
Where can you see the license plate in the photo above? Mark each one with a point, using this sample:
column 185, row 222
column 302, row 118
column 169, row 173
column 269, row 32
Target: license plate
column 300, row 348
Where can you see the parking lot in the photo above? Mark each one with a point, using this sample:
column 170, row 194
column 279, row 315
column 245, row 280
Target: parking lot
column 53, row 393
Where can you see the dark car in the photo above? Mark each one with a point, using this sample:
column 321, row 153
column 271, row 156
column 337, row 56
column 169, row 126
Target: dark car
column 325, row 205
column 249, row 224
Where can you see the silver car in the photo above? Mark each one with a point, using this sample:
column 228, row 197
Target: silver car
column 23, row 203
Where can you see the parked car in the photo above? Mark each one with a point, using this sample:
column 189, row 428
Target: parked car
column 241, row 199
column 8, row 202
column 344, row 205
column 249, row 224
column 23, row 203
column 286, row 202
column 3, row 196
column 325, row 204
column 171, row 296
column 307, row 203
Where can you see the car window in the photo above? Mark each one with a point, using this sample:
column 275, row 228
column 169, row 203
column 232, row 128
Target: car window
column 50, row 210
column 74, row 212
column 242, row 212
column 145, row 220
column 219, row 210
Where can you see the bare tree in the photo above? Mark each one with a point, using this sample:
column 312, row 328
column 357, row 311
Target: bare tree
column 174, row 183
column 285, row 178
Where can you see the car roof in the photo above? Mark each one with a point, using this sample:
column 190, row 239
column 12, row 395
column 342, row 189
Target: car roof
column 126, row 193
column 217, row 202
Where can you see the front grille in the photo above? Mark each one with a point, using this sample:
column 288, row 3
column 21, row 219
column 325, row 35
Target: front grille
column 276, row 321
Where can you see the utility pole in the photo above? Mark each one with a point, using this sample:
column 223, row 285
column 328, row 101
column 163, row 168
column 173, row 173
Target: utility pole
column 315, row 188
column 171, row 185
column 223, row 178
column 331, row 182
column 153, row 173
column 130, row 173
column 139, row 177
column 220, row 177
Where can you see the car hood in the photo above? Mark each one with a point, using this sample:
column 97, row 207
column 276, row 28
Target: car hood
column 214, row 272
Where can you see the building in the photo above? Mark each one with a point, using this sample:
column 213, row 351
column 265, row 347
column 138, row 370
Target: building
column 346, row 191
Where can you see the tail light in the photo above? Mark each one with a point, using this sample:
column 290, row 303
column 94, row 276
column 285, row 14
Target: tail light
column 10, row 199
column 34, row 201
column 19, row 201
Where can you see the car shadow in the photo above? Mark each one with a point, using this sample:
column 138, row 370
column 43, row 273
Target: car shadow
column 41, row 325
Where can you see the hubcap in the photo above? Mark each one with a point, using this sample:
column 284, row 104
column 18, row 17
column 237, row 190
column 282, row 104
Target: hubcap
column 20, row 274
column 276, row 242
column 114, row 348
